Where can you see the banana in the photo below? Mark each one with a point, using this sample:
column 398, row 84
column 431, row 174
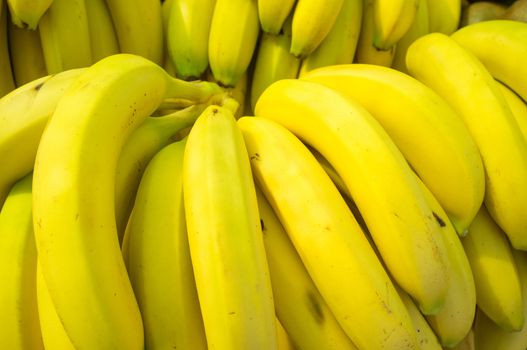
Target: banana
column 481, row 11
column 419, row 27
column 398, row 217
column 391, row 20
column 339, row 46
column 27, row 13
column 501, row 46
column 498, row 285
column 103, row 39
column 24, row 114
column 7, row 83
column 444, row 15
column 312, row 21
column 424, row 127
column 466, row 344
column 18, row 298
column 366, row 52
column 456, row 75
column 227, row 249
column 517, row 11
column 272, row 14
column 298, row 303
column 159, row 262
column 166, row 7
column 144, row 142
column 283, row 339
column 517, row 106
column 273, row 62
column 73, row 196
column 27, row 57
column 232, row 41
column 188, row 36
column 490, row 336
column 139, row 28
column 65, row 36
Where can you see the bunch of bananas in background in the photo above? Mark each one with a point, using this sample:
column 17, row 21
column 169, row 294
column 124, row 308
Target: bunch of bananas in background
column 243, row 174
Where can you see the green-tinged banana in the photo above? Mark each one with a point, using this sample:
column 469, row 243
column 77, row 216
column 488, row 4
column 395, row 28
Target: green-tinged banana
column 398, row 216
column 454, row 321
column 159, row 262
column 444, row 15
column 7, row 83
column 166, row 7
column 299, row 306
column 459, row 77
column 312, row 22
column 517, row 11
column 498, row 284
column 18, row 271
column 139, row 28
column 73, row 196
column 427, row 131
column 148, row 139
column 187, row 36
column 518, row 108
column 481, row 11
column 232, row 41
column 53, row 334
column 366, row 52
column 24, row 114
column 103, row 39
column 488, row 335
column 225, row 237
column 27, row 57
column 273, row 62
column 65, row 36
column 339, row 46
column 27, row 13
column 391, row 20
column 501, row 46
column 419, row 27
column 283, row 339
column 273, row 14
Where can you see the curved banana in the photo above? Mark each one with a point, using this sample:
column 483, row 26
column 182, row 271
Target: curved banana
column 27, row 57
column 312, row 22
column 518, row 107
column 139, row 28
column 159, row 262
column 273, row 14
column 232, row 41
column 456, row 75
column 7, row 83
column 65, row 36
column 103, row 39
column 498, row 285
column 299, row 306
column 283, row 339
column 398, row 217
column 333, row 248
column 488, row 335
column 444, row 15
column 27, row 13
column 339, row 46
column 424, row 127
column 391, row 20
column 73, row 196
column 467, row 343
column 501, row 46
column 227, row 249
column 20, row 328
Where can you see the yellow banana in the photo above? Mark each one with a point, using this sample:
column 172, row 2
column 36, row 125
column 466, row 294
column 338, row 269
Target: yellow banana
column 456, row 75
column 166, row 7
column 354, row 143
column 299, row 306
column 312, row 21
column 233, row 35
column 188, row 36
column 339, row 46
column 65, row 36
column 498, row 285
column 224, row 234
column 391, row 20
column 518, row 107
column 283, row 339
column 444, row 15
column 272, row 14
column 7, row 83
column 103, row 39
column 501, row 46
column 490, row 336
column 27, row 13
column 333, row 248
column 139, row 28
column 159, row 262
column 27, row 57
column 20, row 328
column 466, row 344
column 73, row 196
column 424, row 127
